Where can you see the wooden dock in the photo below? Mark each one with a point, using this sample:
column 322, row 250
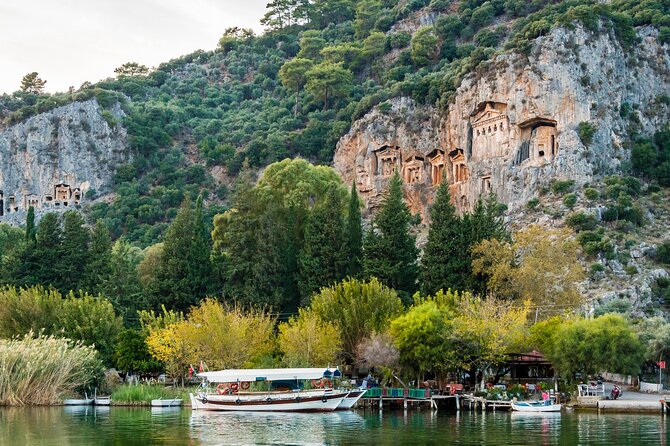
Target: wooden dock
column 378, row 398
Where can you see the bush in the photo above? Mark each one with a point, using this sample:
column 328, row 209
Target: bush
column 533, row 203
column 591, row 194
column 570, row 200
column 560, row 187
column 595, row 269
column 580, row 221
column 586, row 130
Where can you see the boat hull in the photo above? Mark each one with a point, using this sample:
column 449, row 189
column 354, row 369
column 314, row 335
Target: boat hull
column 350, row 401
column 536, row 408
column 166, row 403
column 102, row 401
column 324, row 402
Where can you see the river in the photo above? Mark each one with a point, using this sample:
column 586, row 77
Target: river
column 143, row 426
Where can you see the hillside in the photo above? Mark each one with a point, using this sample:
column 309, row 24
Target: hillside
column 193, row 121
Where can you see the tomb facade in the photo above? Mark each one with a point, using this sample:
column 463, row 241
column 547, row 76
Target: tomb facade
column 437, row 162
column 413, row 170
column 490, row 131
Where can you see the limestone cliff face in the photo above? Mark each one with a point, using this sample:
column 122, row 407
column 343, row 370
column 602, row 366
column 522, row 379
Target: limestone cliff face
column 512, row 126
column 53, row 159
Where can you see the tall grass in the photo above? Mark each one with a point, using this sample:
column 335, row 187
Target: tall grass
column 41, row 370
column 143, row 394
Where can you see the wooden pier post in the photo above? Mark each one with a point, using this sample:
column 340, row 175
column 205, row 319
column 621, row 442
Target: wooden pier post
column 458, row 403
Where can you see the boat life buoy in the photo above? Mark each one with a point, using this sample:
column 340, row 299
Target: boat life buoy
column 204, row 399
column 324, row 399
column 268, row 399
column 245, row 385
column 222, row 389
column 298, row 399
column 326, row 383
column 234, row 387
column 238, row 401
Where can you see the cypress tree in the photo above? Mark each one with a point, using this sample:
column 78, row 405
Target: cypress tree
column 354, row 234
column 323, row 259
column 171, row 286
column 199, row 254
column 122, row 286
column 74, row 252
column 45, row 259
column 389, row 250
column 99, row 266
column 445, row 259
column 30, row 226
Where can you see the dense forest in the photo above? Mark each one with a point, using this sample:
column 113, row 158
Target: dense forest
column 286, row 251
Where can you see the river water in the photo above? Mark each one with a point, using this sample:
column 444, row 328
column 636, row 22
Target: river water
column 144, row 426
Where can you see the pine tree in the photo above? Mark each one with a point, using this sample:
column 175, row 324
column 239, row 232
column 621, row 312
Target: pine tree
column 74, row 252
column 323, row 259
column 171, row 286
column 445, row 259
column 99, row 266
column 354, row 234
column 389, row 250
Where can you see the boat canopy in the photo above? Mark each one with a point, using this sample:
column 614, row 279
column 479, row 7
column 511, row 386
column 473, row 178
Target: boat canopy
column 246, row 375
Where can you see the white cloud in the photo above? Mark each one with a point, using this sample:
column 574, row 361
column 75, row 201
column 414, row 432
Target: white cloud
column 71, row 41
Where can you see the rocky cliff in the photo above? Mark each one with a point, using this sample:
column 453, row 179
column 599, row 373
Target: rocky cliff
column 512, row 126
column 59, row 159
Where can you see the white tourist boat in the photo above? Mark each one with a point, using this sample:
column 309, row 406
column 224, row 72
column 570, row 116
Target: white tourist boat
column 537, row 407
column 86, row 401
column 232, row 394
column 167, row 403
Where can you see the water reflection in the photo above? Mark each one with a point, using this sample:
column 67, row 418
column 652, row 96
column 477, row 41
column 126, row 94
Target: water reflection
column 274, row 428
column 141, row 426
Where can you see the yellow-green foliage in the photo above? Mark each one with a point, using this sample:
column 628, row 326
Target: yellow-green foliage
column 36, row 371
column 223, row 337
column 307, row 341
column 357, row 309
column 81, row 317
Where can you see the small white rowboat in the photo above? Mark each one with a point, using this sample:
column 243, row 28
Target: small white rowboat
column 166, row 403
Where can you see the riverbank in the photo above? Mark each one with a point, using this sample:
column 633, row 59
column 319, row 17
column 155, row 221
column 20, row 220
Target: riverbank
column 142, row 395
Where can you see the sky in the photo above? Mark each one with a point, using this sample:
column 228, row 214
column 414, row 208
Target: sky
column 69, row 42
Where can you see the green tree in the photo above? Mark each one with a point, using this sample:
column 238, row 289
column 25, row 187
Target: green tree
column 389, row 249
column 354, row 233
column 293, row 75
column 122, row 286
column 280, row 14
column 30, row 226
column 327, row 81
column 43, row 261
column 311, row 44
column 445, row 258
column 98, row 269
column 590, row 346
column 308, row 341
column 131, row 69
column 323, row 258
column 425, row 46
column 172, row 286
column 74, row 253
column 357, row 309
column 200, row 274
column 32, row 83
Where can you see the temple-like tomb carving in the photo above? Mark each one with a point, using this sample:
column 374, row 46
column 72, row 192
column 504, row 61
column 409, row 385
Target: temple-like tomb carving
column 437, row 163
column 538, row 141
column 59, row 196
column 490, row 131
column 413, row 168
column 363, row 180
column 486, row 185
column 460, row 170
column 386, row 161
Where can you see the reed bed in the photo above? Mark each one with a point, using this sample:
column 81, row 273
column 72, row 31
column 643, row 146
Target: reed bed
column 41, row 370
column 143, row 394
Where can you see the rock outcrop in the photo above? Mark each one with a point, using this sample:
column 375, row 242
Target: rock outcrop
column 52, row 160
column 512, row 126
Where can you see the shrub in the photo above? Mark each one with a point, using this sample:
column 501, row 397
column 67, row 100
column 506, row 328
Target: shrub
column 586, row 130
column 560, row 187
column 570, row 200
column 533, row 203
column 580, row 221
column 595, row 269
column 591, row 194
